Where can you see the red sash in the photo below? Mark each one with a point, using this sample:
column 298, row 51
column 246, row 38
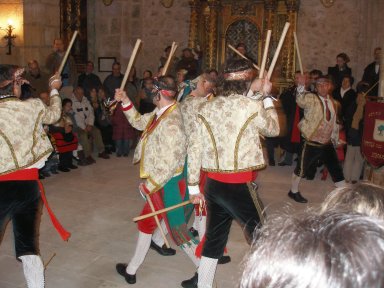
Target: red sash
column 33, row 174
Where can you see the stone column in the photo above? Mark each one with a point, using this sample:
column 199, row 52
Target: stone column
column 193, row 25
column 289, row 51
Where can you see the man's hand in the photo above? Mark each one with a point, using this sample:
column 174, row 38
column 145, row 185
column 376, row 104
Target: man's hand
column 121, row 96
column 55, row 82
column 197, row 198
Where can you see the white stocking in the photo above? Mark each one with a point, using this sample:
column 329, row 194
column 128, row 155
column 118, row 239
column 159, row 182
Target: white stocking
column 33, row 270
column 141, row 251
column 295, row 183
column 157, row 237
column 206, row 271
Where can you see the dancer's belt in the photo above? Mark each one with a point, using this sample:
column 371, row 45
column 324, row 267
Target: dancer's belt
column 234, row 177
column 33, row 174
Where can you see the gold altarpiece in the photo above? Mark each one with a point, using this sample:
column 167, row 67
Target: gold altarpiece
column 216, row 23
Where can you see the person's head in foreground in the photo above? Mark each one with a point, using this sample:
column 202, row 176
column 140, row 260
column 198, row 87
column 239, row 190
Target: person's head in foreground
column 365, row 198
column 334, row 249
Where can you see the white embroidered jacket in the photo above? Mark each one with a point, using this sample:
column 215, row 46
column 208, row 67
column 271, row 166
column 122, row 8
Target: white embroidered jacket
column 227, row 136
column 23, row 141
column 162, row 146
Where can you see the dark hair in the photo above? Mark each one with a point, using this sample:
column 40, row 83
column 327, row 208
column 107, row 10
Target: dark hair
column 226, row 88
column 311, row 250
column 66, row 101
column 26, row 92
column 316, row 72
column 343, row 56
column 350, row 78
column 168, row 48
column 7, row 73
column 149, row 71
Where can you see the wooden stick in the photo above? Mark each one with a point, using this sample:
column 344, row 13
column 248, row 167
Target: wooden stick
column 130, row 63
column 264, row 61
column 49, row 261
column 62, row 64
column 158, row 221
column 370, row 89
column 170, row 56
column 281, row 41
column 298, row 53
column 242, row 56
column 142, row 217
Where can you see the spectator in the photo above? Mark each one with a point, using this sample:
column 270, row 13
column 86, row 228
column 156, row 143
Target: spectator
column 340, row 70
column 313, row 76
column 189, row 63
column 372, row 73
column 311, row 251
column 88, row 80
column 146, row 97
column 69, row 73
column 113, row 81
column 146, row 74
column 87, row 132
column 172, row 65
column 123, row 132
column 66, row 140
column 36, row 78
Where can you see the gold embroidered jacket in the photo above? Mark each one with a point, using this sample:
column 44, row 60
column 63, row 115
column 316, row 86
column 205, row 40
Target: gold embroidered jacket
column 227, row 136
column 161, row 150
column 189, row 108
column 313, row 113
column 23, row 141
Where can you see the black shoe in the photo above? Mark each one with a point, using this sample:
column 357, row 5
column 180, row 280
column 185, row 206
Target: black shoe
column 41, row 176
column 191, row 283
column 163, row 250
column 297, row 197
column 224, row 260
column 283, row 164
column 272, row 163
column 54, row 172
column 125, row 155
column 64, row 169
column 194, row 232
column 121, row 268
column 72, row 166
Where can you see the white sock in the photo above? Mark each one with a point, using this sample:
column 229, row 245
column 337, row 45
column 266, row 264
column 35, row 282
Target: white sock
column 189, row 248
column 201, row 225
column 157, row 237
column 141, row 251
column 295, row 183
column 341, row 184
column 33, row 270
column 206, row 271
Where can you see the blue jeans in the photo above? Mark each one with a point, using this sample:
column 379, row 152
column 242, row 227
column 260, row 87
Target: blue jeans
column 122, row 146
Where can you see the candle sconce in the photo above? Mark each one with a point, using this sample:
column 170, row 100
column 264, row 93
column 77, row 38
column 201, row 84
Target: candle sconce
column 9, row 37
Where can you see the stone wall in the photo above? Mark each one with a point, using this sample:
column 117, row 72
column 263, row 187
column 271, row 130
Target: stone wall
column 37, row 24
column 116, row 28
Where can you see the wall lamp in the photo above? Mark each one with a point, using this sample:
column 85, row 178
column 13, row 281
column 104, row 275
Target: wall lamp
column 9, row 37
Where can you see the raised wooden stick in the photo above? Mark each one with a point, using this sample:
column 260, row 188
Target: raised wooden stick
column 170, row 56
column 277, row 52
column 142, row 217
column 158, row 221
column 264, row 61
column 242, row 56
column 130, row 63
column 61, row 67
column 298, row 53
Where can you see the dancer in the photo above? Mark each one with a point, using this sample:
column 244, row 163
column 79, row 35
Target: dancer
column 319, row 129
column 24, row 148
column 161, row 152
column 226, row 145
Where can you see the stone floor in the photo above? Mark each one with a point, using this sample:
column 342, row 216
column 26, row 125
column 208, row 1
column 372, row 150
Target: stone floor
column 97, row 204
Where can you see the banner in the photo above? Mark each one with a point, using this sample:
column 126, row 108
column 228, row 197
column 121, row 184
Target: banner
column 372, row 145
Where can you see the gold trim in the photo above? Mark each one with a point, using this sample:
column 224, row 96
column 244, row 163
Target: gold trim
column 193, row 184
column 34, row 141
column 318, row 124
column 258, row 203
column 10, row 148
column 9, row 99
column 49, row 151
column 148, row 132
column 205, row 122
column 236, row 165
column 257, row 167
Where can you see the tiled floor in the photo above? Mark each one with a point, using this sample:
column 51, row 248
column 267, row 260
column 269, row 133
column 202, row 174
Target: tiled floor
column 97, row 204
